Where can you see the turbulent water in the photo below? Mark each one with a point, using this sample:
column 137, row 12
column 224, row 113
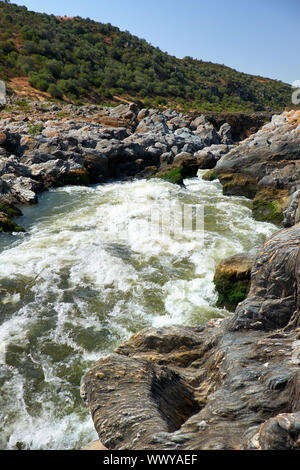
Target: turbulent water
column 85, row 276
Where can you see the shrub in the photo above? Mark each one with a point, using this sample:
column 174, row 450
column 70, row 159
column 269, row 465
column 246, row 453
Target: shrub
column 55, row 92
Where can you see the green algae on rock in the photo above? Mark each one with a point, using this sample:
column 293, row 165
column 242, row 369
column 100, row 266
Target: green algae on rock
column 172, row 176
column 7, row 225
column 237, row 184
column 232, row 280
column 265, row 167
column 74, row 177
column 210, row 175
column 269, row 205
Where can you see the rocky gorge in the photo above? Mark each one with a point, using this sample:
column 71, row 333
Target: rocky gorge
column 49, row 146
column 231, row 383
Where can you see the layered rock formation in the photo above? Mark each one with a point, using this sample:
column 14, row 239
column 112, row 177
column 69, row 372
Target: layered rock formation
column 232, row 279
column 266, row 167
column 230, row 384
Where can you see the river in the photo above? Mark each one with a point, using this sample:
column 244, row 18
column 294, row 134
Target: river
column 85, row 276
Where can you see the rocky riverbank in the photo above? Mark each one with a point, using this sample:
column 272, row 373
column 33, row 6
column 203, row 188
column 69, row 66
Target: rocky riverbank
column 266, row 168
column 230, row 384
column 44, row 145
column 233, row 383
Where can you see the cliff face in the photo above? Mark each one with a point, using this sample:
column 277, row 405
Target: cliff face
column 230, row 384
column 266, row 167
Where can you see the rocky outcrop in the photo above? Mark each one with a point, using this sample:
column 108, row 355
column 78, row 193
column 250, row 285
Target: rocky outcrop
column 229, row 384
column 274, row 291
column 232, row 279
column 266, row 167
column 6, row 224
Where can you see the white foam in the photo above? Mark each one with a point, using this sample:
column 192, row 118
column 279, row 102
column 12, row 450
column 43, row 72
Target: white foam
column 74, row 272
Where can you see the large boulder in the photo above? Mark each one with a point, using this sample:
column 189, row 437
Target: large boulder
column 274, row 284
column 232, row 279
column 209, row 156
column 266, row 167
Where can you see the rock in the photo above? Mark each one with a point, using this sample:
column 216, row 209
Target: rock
column 208, row 135
column 272, row 297
column 225, row 134
column 265, row 167
column 24, row 189
column 2, row 138
column 153, row 121
column 49, row 170
column 74, row 177
column 177, row 122
column 242, row 125
column 209, row 156
column 291, row 214
column 95, row 445
column 147, row 172
column 166, row 158
column 270, row 204
column 12, row 165
column 96, row 163
column 232, row 279
column 123, row 115
column 174, row 175
column 183, row 166
column 6, row 224
column 281, row 433
column 142, row 114
column 11, row 142
column 199, row 121
column 236, row 184
column 210, row 175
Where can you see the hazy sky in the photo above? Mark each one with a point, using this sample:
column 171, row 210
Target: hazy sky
column 260, row 37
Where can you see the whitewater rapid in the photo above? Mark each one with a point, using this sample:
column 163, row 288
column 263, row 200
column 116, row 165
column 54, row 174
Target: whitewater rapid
column 85, row 276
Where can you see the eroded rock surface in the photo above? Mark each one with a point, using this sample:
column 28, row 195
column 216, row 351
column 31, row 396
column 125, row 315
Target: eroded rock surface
column 230, row 384
column 266, row 167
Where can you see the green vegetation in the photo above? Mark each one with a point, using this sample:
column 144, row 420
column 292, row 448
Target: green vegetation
column 231, row 293
column 210, row 175
column 6, row 224
column 74, row 177
column 9, row 211
column 267, row 211
column 236, row 184
column 35, row 129
column 85, row 61
column 172, row 176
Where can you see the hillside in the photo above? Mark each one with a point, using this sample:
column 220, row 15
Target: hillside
column 81, row 60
